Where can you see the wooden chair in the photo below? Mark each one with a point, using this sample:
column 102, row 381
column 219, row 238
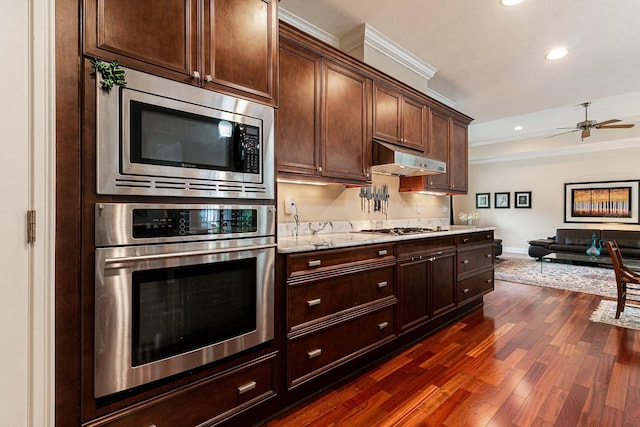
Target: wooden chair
column 628, row 281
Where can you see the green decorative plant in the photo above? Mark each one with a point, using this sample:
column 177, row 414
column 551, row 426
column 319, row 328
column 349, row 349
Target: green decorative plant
column 111, row 73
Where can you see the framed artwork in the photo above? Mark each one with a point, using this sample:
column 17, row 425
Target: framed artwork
column 606, row 201
column 522, row 199
column 502, row 200
column 483, row 200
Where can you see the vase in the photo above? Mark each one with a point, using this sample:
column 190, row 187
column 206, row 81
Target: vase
column 469, row 222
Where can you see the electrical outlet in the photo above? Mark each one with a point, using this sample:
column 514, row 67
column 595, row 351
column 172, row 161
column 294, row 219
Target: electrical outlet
column 418, row 209
column 289, row 205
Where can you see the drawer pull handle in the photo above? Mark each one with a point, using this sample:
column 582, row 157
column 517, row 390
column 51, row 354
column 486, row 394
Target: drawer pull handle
column 315, row 263
column 465, row 291
column 382, row 284
column 465, row 240
column 466, row 261
column 487, row 256
column 314, row 353
column 246, row 387
column 488, row 236
column 489, row 280
column 382, row 252
column 383, row 325
column 439, row 253
column 313, row 302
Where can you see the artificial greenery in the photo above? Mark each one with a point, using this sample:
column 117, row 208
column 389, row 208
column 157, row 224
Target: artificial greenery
column 111, row 73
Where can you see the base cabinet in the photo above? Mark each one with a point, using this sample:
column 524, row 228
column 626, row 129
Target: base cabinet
column 475, row 266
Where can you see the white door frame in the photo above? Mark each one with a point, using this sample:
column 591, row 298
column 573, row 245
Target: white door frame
column 42, row 196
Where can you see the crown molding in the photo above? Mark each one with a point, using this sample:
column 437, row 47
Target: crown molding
column 308, row 28
column 560, row 151
column 439, row 97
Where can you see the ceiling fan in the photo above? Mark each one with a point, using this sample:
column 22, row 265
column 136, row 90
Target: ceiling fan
column 586, row 125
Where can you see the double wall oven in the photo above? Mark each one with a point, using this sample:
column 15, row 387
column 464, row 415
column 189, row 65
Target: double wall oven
column 183, row 283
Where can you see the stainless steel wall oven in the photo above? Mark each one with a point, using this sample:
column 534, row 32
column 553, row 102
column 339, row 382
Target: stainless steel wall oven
column 178, row 287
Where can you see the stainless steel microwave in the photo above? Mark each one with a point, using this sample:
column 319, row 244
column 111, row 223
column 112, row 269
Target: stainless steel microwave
column 159, row 137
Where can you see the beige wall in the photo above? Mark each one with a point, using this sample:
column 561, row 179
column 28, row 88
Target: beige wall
column 335, row 202
column 545, row 178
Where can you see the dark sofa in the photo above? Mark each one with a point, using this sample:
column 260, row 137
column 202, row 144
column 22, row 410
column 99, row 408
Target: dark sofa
column 577, row 240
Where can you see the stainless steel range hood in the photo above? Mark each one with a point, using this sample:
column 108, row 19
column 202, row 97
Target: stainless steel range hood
column 394, row 160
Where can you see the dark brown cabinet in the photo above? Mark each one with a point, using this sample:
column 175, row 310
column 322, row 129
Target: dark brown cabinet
column 225, row 45
column 324, row 116
column 340, row 303
column 426, row 281
column 398, row 118
column 475, row 266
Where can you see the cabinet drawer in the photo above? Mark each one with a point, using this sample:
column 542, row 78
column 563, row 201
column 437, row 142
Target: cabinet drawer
column 312, row 261
column 217, row 398
column 472, row 259
column 432, row 246
column 480, row 237
column 475, row 286
column 315, row 300
column 316, row 352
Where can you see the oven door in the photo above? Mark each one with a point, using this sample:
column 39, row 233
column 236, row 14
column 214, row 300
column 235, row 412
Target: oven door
column 164, row 309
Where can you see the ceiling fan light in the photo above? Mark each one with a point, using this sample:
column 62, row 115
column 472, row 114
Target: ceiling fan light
column 556, row 53
column 510, row 2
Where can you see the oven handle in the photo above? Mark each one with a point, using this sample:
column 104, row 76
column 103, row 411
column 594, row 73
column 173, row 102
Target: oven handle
column 187, row 253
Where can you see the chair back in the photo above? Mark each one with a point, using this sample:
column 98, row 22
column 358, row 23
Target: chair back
column 616, row 259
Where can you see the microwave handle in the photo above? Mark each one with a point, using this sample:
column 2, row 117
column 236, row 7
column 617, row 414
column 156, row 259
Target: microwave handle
column 137, row 258
column 239, row 139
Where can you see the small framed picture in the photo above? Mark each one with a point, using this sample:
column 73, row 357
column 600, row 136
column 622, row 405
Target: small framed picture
column 522, row 199
column 483, row 200
column 503, row 200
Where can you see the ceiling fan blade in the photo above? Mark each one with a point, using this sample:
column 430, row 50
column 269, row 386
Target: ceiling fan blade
column 616, row 126
column 606, row 122
column 585, row 134
column 561, row 133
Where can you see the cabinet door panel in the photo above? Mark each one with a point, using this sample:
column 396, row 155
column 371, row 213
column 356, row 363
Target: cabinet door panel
column 163, row 35
column 240, row 46
column 412, row 124
column 346, row 111
column 458, row 158
column 386, row 114
column 443, row 283
column 413, row 293
column 439, row 149
column 298, row 132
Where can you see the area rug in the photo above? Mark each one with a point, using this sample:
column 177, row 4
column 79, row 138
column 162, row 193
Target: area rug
column 606, row 313
column 578, row 278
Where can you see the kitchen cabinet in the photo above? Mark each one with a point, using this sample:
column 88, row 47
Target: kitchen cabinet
column 224, row 45
column 448, row 142
column 324, row 115
column 398, row 118
column 475, row 266
column 340, row 303
column 426, row 280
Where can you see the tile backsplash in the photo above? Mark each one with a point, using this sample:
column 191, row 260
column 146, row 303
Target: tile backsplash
column 337, row 209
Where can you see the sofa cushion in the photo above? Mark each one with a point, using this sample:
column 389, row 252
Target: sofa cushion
column 576, row 236
column 568, row 248
column 625, row 239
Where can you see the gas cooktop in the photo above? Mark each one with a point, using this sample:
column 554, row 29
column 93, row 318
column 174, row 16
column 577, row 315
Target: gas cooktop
column 399, row 231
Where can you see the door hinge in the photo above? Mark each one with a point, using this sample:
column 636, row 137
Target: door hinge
column 31, row 226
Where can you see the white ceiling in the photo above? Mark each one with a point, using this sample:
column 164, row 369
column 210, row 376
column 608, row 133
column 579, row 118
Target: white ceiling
column 490, row 58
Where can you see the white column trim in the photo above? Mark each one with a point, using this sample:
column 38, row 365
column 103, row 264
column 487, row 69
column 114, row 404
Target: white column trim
column 42, row 174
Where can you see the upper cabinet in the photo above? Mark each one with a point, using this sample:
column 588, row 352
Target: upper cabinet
column 323, row 119
column 398, row 118
column 224, row 45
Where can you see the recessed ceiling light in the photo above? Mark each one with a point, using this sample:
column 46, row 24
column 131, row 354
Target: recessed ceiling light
column 556, row 53
column 510, row 2
column 517, row 128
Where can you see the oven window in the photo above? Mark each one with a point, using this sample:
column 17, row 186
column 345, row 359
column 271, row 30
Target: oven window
column 176, row 310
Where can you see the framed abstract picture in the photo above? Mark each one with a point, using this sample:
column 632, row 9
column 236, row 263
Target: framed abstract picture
column 483, row 200
column 606, row 201
column 503, row 200
column 522, row 199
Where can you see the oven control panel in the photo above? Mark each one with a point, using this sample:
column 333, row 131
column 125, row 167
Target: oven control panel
column 192, row 222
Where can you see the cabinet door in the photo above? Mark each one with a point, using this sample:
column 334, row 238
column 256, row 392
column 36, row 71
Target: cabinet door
column 458, row 158
column 413, row 129
column 240, row 45
column 346, row 121
column 442, row 277
column 298, row 115
column 159, row 38
column 413, row 293
column 439, row 149
column 386, row 114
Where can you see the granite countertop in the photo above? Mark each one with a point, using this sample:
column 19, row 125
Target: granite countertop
column 344, row 240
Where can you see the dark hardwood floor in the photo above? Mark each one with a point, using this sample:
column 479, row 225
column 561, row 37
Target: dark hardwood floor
column 529, row 357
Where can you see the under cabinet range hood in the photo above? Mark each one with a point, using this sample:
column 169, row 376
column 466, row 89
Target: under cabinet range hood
column 393, row 160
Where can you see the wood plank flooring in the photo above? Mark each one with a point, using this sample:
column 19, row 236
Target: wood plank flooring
column 529, row 357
